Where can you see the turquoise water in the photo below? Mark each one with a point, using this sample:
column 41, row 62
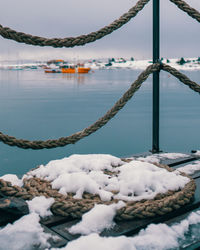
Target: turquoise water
column 36, row 106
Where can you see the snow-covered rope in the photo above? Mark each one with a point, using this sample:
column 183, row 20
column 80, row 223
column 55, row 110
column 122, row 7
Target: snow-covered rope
column 68, row 206
column 73, row 41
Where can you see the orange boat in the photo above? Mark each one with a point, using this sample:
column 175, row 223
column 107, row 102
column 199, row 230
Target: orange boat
column 83, row 70
column 75, row 69
column 69, row 70
column 52, row 71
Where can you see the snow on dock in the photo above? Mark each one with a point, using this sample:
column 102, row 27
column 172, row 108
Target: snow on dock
column 97, row 229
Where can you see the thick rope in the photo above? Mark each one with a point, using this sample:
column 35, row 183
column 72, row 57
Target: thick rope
column 12, row 141
column 183, row 78
column 187, row 8
column 67, row 206
column 73, row 41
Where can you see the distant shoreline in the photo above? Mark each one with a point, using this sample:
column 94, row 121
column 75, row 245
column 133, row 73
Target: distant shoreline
column 109, row 63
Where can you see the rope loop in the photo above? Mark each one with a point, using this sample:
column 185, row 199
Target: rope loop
column 68, row 206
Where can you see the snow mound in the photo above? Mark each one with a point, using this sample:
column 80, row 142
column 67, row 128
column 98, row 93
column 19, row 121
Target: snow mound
column 155, row 236
column 197, row 153
column 24, row 234
column 190, row 168
column 156, row 158
column 97, row 219
column 13, row 179
column 40, row 205
column 131, row 181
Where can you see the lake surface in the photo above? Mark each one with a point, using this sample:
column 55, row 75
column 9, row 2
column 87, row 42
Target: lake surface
column 39, row 106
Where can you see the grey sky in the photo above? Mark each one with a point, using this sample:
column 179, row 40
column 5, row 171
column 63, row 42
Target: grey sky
column 180, row 34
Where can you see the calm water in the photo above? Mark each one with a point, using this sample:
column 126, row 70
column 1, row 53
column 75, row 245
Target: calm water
column 35, row 106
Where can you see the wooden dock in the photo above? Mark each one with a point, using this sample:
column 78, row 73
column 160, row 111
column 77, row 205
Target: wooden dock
column 58, row 225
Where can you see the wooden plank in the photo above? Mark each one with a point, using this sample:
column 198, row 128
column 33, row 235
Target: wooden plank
column 179, row 161
column 195, row 175
column 11, row 209
column 193, row 246
column 63, row 230
column 56, row 240
column 54, row 220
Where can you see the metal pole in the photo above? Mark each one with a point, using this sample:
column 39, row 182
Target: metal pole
column 156, row 75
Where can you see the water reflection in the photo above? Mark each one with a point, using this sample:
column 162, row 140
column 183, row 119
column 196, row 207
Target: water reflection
column 79, row 78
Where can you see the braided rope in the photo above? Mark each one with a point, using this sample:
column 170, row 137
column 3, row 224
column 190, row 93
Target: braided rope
column 183, row 78
column 73, row 41
column 12, row 141
column 67, row 206
column 187, row 8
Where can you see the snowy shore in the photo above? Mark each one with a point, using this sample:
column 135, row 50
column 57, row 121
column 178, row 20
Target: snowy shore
column 113, row 63
column 187, row 64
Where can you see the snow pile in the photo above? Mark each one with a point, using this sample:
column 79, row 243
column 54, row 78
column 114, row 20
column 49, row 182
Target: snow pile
column 156, row 158
column 141, row 180
column 97, row 219
column 13, row 179
column 76, row 163
column 131, row 181
column 135, row 180
column 40, row 205
column 190, row 168
column 197, row 153
column 155, row 236
column 23, row 234
column 27, row 231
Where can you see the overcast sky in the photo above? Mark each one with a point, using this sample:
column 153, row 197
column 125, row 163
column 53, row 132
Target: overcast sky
column 180, row 34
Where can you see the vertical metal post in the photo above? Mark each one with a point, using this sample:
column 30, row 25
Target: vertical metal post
column 156, row 75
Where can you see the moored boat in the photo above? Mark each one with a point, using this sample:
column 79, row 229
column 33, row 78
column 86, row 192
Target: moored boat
column 52, row 71
column 83, row 70
column 68, row 69
column 75, row 69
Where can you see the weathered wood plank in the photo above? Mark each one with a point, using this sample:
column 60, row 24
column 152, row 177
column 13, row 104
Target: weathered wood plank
column 179, row 161
column 63, row 230
column 56, row 240
column 54, row 220
column 193, row 246
column 11, row 209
